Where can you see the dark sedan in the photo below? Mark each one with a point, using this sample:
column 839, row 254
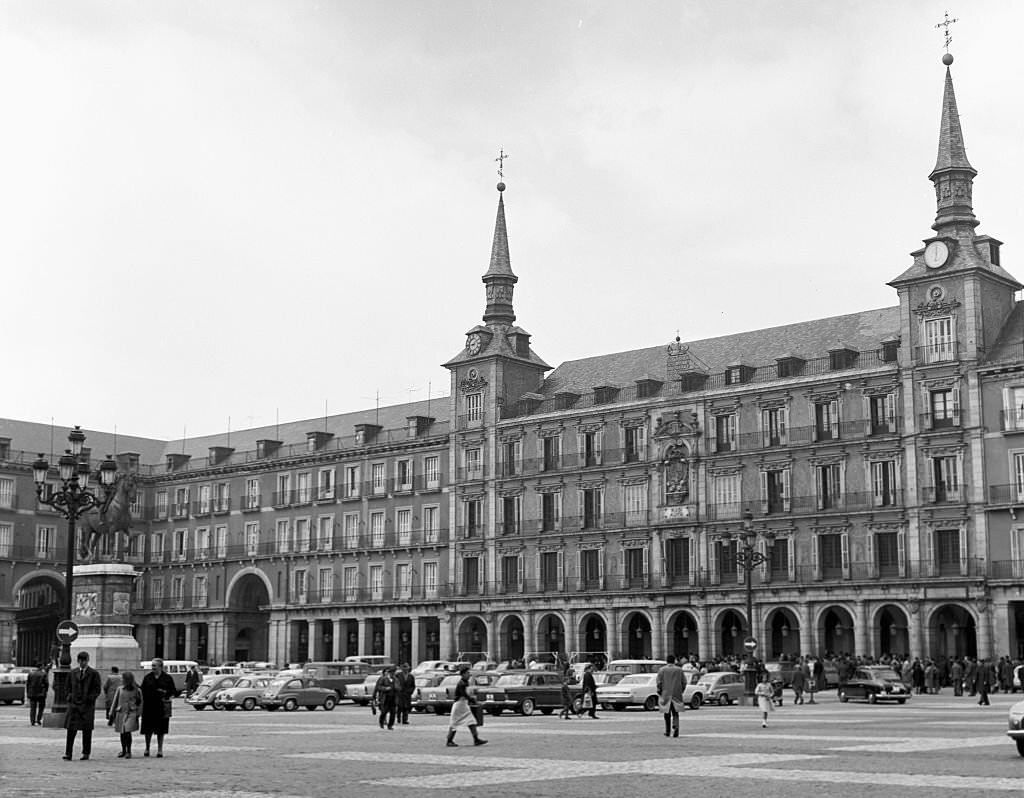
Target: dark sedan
column 873, row 684
column 526, row 691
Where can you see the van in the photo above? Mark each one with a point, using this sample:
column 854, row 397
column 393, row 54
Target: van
column 378, row 661
column 338, row 676
column 634, row 665
column 175, row 668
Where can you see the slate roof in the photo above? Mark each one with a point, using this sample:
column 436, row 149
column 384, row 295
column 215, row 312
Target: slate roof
column 1010, row 342
column 862, row 331
column 33, row 438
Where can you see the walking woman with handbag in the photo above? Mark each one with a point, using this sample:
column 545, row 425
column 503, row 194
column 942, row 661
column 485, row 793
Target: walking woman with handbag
column 463, row 713
column 157, row 691
column 590, row 692
column 124, row 712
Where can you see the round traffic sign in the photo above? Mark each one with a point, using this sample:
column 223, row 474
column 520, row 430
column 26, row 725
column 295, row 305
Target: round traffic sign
column 67, row 632
column 750, row 644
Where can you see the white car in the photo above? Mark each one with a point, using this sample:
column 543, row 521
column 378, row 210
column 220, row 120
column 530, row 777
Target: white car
column 720, row 687
column 634, row 690
column 1016, row 722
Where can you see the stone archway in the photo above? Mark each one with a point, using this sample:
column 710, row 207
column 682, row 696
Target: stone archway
column 891, row 631
column 513, row 639
column 683, row 637
column 637, row 627
column 836, row 629
column 39, row 602
column 730, row 626
column 472, row 639
column 247, row 617
column 550, row 637
column 953, row 632
column 782, row 633
column 593, row 634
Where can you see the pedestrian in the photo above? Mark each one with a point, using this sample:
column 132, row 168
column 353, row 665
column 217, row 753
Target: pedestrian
column 567, row 708
column 157, row 691
column 590, row 692
column 192, row 680
column 124, row 712
column 971, row 676
column 763, row 692
column 797, row 682
column 956, row 676
column 36, row 685
column 384, row 695
column 463, row 712
column 670, row 693
column 83, row 690
column 983, row 682
column 405, row 686
column 110, row 685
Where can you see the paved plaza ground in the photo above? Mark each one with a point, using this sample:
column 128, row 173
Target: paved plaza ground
column 935, row 745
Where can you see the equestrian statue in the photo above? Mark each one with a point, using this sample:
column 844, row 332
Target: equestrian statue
column 100, row 524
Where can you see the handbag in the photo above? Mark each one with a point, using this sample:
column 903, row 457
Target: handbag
column 478, row 714
column 167, row 708
column 588, row 702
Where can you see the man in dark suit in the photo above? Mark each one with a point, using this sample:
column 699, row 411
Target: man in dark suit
column 83, row 690
column 35, row 691
column 590, row 690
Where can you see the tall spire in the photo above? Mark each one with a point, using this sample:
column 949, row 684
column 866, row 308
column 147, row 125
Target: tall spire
column 953, row 174
column 499, row 279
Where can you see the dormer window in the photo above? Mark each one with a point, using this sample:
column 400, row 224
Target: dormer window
column 692, row 381
column 737, row 374
column 176, row 462
column 646, row 388
column 842, row 358
column 267, row 448
column 5, row 448
column 365, row 433
column 605, row 394
column 218, row 454
column 315, row 441
column 890, row 351
column 790, row 366
column 564, row 400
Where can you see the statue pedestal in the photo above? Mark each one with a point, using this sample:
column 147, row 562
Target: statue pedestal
column 102, row 602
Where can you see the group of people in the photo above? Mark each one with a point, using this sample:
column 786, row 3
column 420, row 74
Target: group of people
column 129, row 706
column 392, row 695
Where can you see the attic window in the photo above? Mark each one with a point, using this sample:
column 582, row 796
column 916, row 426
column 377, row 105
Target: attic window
column 734, row 375
column 605, row 394
column 645, row 388
column 890, row 351
column 790, row 366
column 5, row 448
column 177, row 461
column 565, row 400
column 267, row 448
column 842, row 359
column 692, row 380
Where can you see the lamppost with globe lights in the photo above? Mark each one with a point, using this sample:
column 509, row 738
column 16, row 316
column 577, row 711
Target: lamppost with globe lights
column 71, row 500
column 748, row 558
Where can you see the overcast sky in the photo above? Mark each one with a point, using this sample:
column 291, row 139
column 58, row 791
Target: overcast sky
column 248, row 209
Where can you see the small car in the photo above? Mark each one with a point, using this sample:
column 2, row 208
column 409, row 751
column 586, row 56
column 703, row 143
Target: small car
column 12, row 683
column 362, row 693
column 719, row 687
column 633, row 690
column 245, row 693
column 429, row 695
column 874, row 683
column 208, row 689
column 1016, row 723
column 527, row 691
column 291, row 692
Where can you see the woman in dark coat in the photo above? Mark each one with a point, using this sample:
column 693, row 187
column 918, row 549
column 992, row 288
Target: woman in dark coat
column 157, row 690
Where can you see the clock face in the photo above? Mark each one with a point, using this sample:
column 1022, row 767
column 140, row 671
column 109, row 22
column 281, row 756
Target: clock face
column 473, row 344
column 935, row 254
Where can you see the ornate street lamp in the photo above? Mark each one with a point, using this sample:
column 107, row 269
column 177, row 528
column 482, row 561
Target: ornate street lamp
column 72, row 500
column 748, row 558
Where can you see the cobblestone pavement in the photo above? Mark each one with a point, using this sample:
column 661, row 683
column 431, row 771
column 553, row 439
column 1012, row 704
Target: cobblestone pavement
column 934, row 745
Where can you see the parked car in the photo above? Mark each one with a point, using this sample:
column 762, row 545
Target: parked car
column 292, row 692
column 440, row 696
column 208, row 689
column 719, row 687
column 429, row 695
column 875, row 683
column 634, row 665
column 434, row 665
column 245, row 693
column 337, row 675
column 12, row 683
column 635, row 689
column 362, row 692
column 781, row 672
column 1016, row 722
column 526, row 691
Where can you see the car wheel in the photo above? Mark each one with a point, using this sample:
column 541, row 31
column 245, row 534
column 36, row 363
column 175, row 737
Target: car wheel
column 218, row 705
column 1020, row 746
column 651, row 703
column 724, row 699
column 843, row 697
column 527, row 707
column 249, row 704
column 329, row 703
column 696, row 701
column 872, row 698
column 495, row 711
column 577, row 705
column 290, row 705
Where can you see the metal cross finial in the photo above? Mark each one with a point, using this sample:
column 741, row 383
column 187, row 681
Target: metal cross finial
column 945, row 24
column 500, row 160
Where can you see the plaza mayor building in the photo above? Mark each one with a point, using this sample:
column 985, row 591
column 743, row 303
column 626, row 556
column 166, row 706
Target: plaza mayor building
column 877, row 458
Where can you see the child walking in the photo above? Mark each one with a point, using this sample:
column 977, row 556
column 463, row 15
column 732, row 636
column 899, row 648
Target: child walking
column 764, row 692
column 124, row 712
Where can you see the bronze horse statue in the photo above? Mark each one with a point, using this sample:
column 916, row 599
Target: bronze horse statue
column 114, row 521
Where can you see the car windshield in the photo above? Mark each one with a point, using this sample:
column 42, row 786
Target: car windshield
column 639, row 678
column 512, row 679
column 885, row 674
column 277, row 684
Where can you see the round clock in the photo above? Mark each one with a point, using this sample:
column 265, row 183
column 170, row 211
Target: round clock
column 473, row 344
column 935, row 254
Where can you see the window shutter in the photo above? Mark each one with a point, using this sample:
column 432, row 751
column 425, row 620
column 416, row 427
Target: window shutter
column 599, row 507
column 580, row 493
column 928, row 539
column 901, row 548
column 956, row 405
column 844, row 541
column 557, row 504
column 783, row 418
column 713, row 442
column 890, row 411
column 540, row 453
column 481, row 574
column 820, row 473
column 642, row 442
column 579, row 569
column 815, row 566
column 765, row 429
column 691, row 542
column 599, row 446
column 561, row 571
column 600, row 568
column 833, row 408
column 869, row 553
column 764, row 493
column 714, row 549
column 963, row 550
column 766, row 565
column 791, row 557
column 581, row 448
column 786, row 493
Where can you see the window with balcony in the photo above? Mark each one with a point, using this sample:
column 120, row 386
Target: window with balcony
column 939, row 344
column 726, row 552
column 550, row 571
column 883, row 414
column 944, row 407
column 180, row 544
column 431, row 471
column 831, row 555
column 252, row 493
column 775, row 490
column 948, row 552
column 46, row 541
column 6, row 493
column 773, row 426
column 403, row 581
column 178, row 591
column 725, row 432
column 474, row 463
column 200, row 589
column 252, row 538
column 6, row 539
column 592, row 507
column 181, row 503
column 635, row 560
column 403, row 475
column 591, row 569
column 325, row 584
column 551, row 453
column 510, row 574
column 403, row 526
column 550, row 511
column 471, row 575
column 301, row 534
column 156, row 546
column 634, row 443
column 377, row 582
column 946, row 479
column 591, row 446
column 430, row 579
column 677, row 559
column 634, row 500
column 474, row 407
column 511, row 458
column 303, row 488
column 826, row 420
column 351, row 530
column 887, row 553
column 377, row 529
column 883, row 483
column 325, row 484
column 202, row 543
column 779, row 559
column 350, row 582
column 205, row 495
column 727, row 496
column 829, row 480
column 161, row 505
column 1013, row 408
column 431, row 526
column 222, row 497
column 283, row 494
column 351, row 482
column 378, row 478
column 511, row 511
column 283, row 536
column 472, row 512
column 157, row 590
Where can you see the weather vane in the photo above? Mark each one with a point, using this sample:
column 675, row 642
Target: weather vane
column 945, row 24
column 502, row 155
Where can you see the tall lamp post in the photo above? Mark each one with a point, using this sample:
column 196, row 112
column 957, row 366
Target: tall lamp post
column 748, row 558
column 72, row 500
